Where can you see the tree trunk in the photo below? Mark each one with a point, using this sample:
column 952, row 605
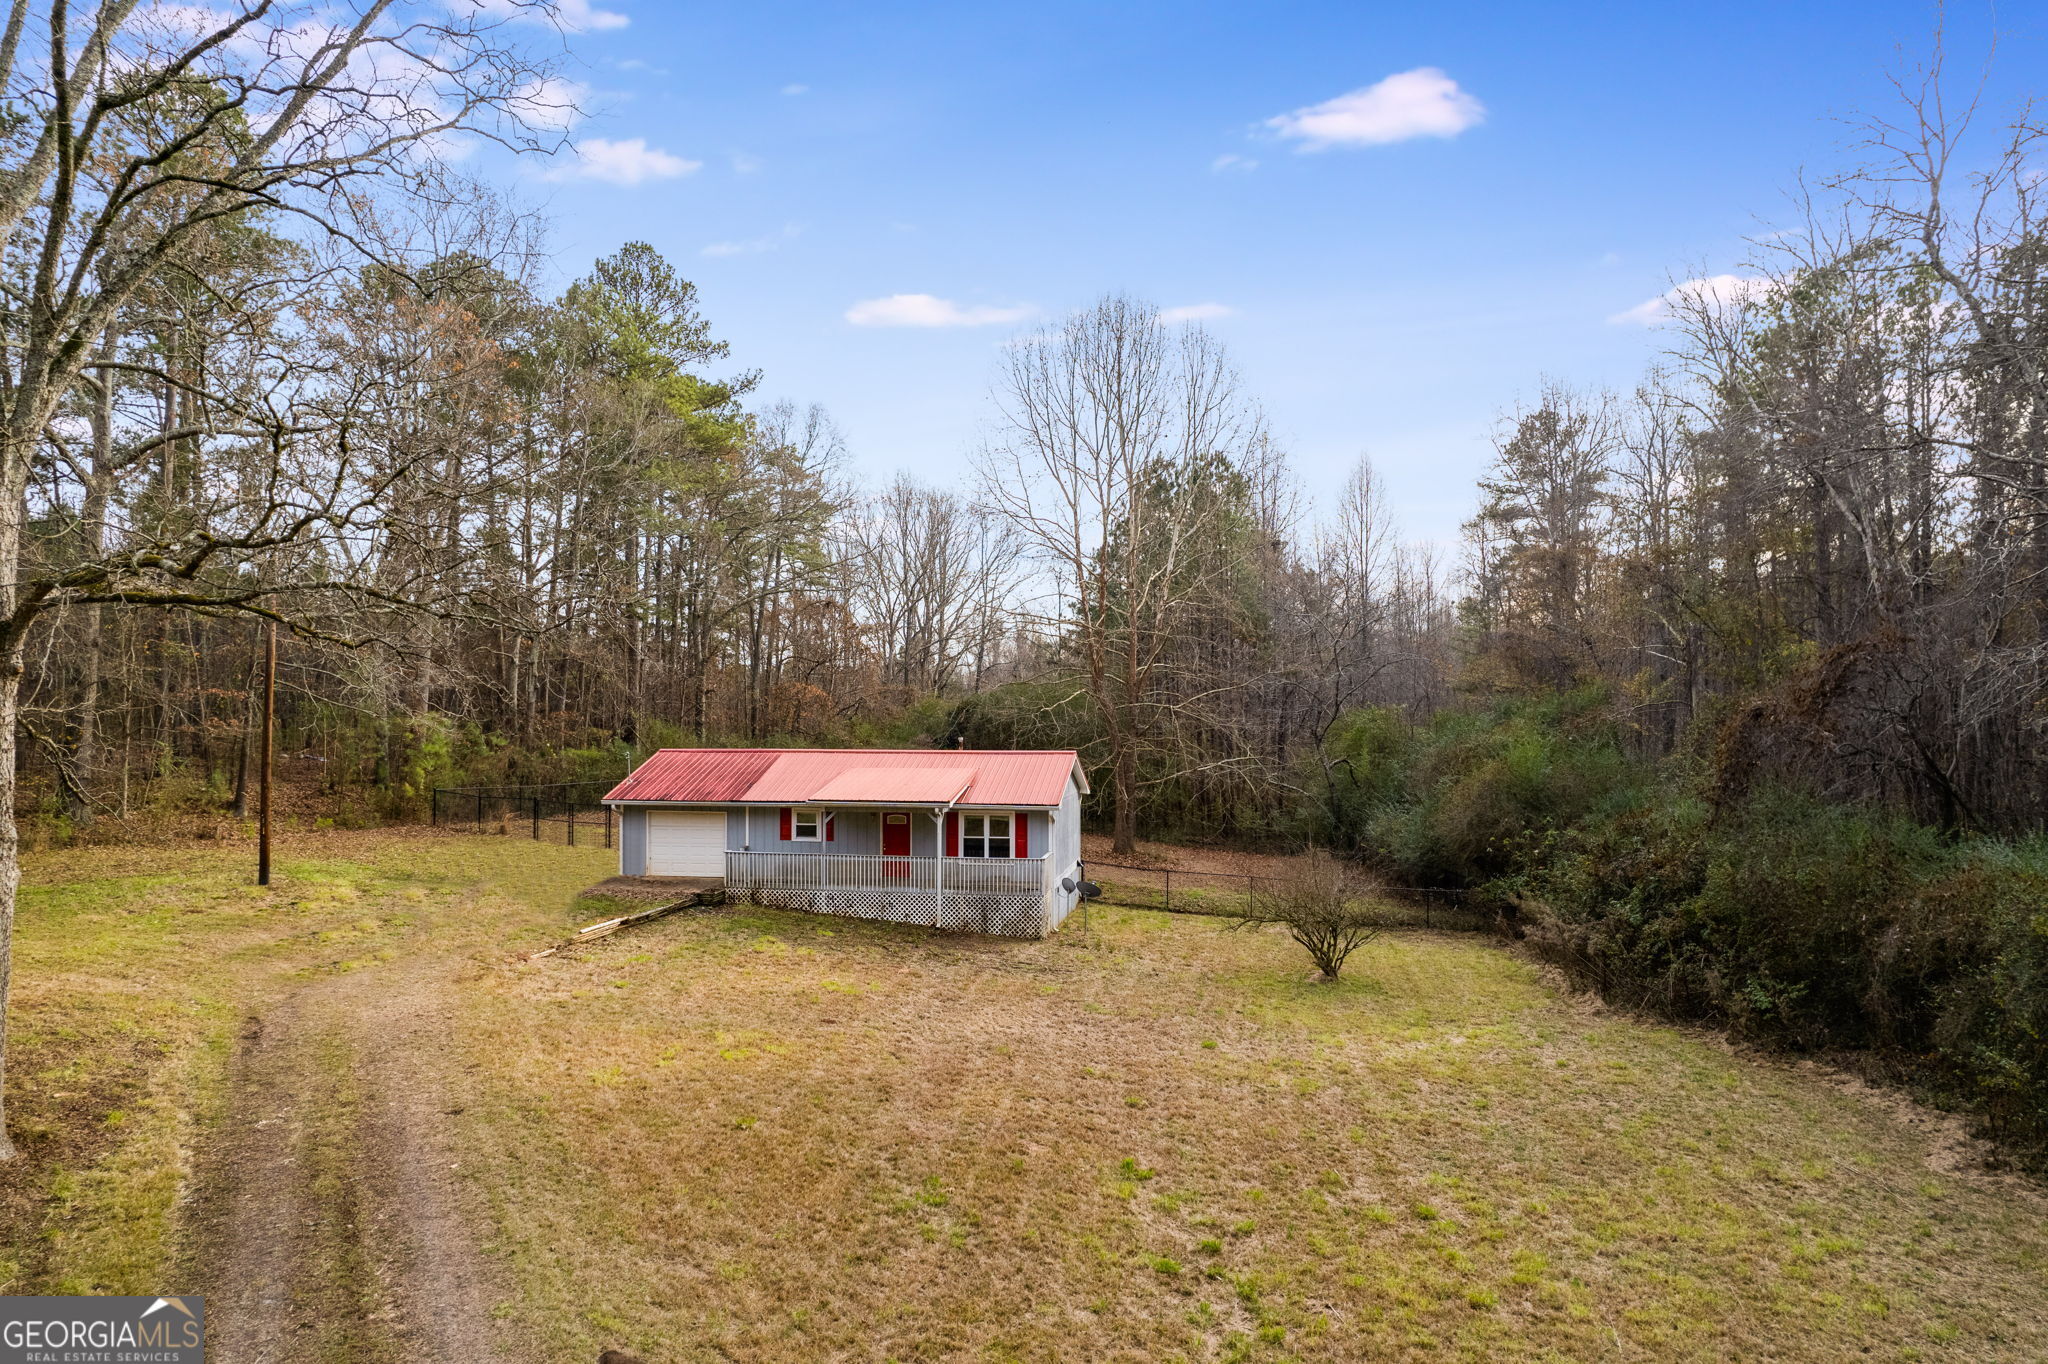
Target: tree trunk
column 249, row 710
column 14, row 465
column 85, row 724
column 92, row 516
column 1123, row 782
column 10, row 856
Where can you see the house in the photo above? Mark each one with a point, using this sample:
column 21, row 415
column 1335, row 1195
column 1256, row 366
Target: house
column 981, row 839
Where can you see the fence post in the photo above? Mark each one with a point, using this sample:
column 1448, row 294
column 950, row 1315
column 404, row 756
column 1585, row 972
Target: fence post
column 572, row 826
column 536, row 819
column 479, row 812
column 1169, row 890
column 434, row 809
column 607, row 826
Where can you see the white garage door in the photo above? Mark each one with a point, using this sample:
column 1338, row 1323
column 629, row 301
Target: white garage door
column 685, row 843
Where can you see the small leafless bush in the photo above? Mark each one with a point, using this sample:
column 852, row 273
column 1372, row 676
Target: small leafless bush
column 1323, row 905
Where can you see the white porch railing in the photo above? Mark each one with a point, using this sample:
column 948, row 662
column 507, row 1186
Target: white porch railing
column 987, row 895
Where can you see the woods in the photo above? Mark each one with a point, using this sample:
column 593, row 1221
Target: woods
column 1821, row 527
column 1754, row 656
column 270, row 357
column 976, row 467
column 152, row 157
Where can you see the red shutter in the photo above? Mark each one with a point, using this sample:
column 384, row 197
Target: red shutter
column 952, row 834
column 785, row 824
column 831, row 828
column 1021, row 826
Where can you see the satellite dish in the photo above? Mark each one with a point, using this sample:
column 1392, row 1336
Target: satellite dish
column 1090, row 891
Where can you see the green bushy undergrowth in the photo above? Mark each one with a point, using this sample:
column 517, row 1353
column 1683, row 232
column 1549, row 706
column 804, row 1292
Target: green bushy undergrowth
column 1792, row 921
column 1466, row 799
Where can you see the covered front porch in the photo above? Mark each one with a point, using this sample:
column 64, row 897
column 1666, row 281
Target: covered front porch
column 890, row 872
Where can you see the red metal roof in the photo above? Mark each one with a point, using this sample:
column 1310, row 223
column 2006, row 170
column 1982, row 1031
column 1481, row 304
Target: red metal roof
column 695, row 774
column 922, row 785
column 795, row 776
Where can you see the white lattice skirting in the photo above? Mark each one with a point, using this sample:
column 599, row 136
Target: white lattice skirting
column 1008, row 916
column 999, row 896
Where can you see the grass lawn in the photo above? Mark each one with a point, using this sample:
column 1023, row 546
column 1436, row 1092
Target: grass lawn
column 764, row 1136
column 753, row 1135
column 133, row 971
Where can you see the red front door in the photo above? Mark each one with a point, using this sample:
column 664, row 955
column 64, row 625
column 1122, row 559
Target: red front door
column 896, row 837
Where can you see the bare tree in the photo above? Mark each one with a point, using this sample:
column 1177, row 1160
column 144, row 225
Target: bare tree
column 1117, row 435
column 933, row 579
column 136, row 133
column 1322, row 903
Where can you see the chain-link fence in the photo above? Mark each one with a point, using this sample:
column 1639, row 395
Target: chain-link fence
column 569, row 812
column 1223, row 893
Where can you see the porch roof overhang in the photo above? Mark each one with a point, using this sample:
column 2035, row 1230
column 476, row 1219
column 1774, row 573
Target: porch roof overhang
column 895, row 786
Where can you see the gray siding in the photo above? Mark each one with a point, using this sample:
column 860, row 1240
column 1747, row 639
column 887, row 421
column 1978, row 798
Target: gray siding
column 759, row 828
column 632, row 841
column 860, row 831
column 1065, row 860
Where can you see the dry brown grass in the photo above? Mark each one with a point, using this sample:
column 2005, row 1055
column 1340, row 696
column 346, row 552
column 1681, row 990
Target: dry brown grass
column 765, row 1136
column 135, row 967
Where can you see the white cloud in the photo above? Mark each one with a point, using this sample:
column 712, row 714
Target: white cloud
column 1195, row 312
column 753, row 246
column 583, row 17
column 1715, row 291
column 1419, row 103
column 927, row 310
column 384, row 80
column 576, row 16
column 743, row 164
column 551, row 103
column 1231, row 161
column 796, row 89
column 446, row 148
column 629, row 162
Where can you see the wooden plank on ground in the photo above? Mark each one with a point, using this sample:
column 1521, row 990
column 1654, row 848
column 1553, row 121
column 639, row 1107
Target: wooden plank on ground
column 604, row 928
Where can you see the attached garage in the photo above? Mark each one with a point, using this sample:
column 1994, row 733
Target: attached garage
column 686, row 843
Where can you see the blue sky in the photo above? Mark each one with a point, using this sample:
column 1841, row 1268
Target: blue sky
column 1385, row 297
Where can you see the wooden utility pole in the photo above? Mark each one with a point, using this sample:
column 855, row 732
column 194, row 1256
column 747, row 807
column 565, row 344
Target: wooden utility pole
column 269, row 742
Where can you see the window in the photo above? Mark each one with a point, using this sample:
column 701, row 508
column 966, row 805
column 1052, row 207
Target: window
column 984, row 835
column 804, row 826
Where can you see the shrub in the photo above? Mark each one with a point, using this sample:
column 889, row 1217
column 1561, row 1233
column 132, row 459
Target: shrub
column 1484, row 787
column 1818, row 927
column 1794, row 920
column 1321, row 904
